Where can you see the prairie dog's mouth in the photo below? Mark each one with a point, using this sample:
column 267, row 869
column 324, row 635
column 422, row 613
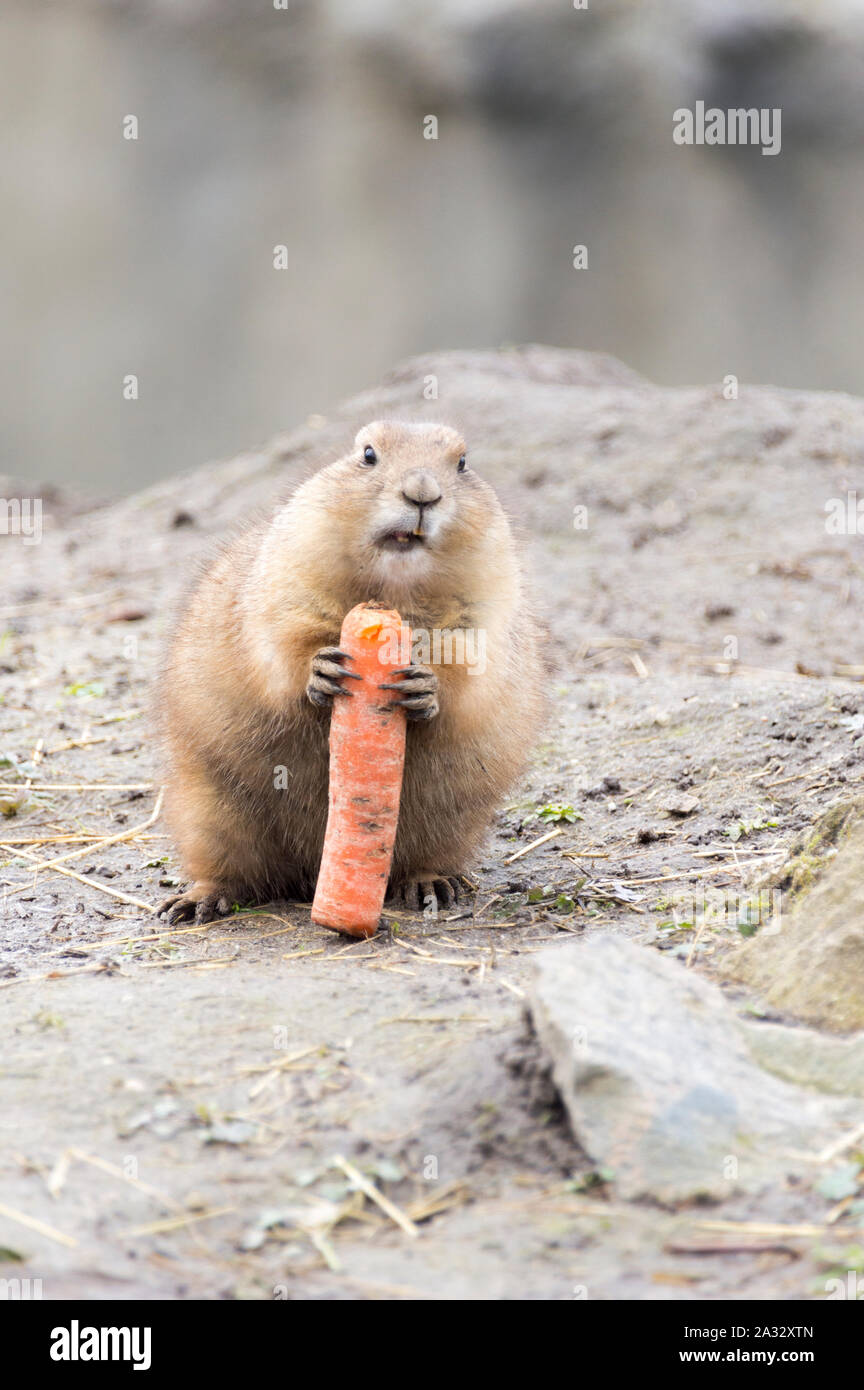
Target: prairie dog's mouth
column 400, row 541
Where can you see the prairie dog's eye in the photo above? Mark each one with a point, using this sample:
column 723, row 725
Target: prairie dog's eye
column 461, row 465
column 369, row 455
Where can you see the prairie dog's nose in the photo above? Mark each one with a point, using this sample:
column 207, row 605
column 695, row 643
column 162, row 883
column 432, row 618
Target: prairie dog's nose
column 421, row 488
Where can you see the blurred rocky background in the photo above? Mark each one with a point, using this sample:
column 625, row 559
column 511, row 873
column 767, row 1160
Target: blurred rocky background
column 303, row 127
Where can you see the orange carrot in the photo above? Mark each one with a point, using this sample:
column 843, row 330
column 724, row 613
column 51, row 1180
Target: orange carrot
column 367, row 755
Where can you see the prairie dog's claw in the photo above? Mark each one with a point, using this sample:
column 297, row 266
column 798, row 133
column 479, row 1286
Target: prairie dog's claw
column 202, row 902
column 418, row 688
column 426, row 891
column 326, row 675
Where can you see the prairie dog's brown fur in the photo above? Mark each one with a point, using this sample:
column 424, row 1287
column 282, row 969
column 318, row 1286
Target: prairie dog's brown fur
column 246, row 664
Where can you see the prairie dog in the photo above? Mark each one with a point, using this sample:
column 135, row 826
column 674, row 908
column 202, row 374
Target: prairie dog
column 254, row 667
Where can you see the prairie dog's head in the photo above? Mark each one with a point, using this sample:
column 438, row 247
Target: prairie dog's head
column 404, row 485
column 405, row 507
column 401, row 518
column 410, row 481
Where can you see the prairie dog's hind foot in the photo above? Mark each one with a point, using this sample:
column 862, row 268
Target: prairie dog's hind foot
column 203, row 902
column 442, row 890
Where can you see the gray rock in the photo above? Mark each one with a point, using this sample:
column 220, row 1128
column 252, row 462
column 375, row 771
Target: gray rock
column 802, row 1055
column 657, row 1081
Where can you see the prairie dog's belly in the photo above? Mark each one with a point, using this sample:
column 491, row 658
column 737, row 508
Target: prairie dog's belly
column 274, row 782
column 281, row 793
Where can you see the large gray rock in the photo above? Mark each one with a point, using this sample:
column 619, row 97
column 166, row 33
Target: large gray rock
column 657, row 1081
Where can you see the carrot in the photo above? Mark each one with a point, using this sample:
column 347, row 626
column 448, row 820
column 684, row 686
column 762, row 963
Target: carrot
column 367, row 755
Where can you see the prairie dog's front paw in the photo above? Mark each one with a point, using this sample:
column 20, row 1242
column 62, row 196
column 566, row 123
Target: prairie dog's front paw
column 418, row 691
column 326, row 674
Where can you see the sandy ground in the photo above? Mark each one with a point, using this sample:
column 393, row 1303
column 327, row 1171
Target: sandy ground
column 172, row 1103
